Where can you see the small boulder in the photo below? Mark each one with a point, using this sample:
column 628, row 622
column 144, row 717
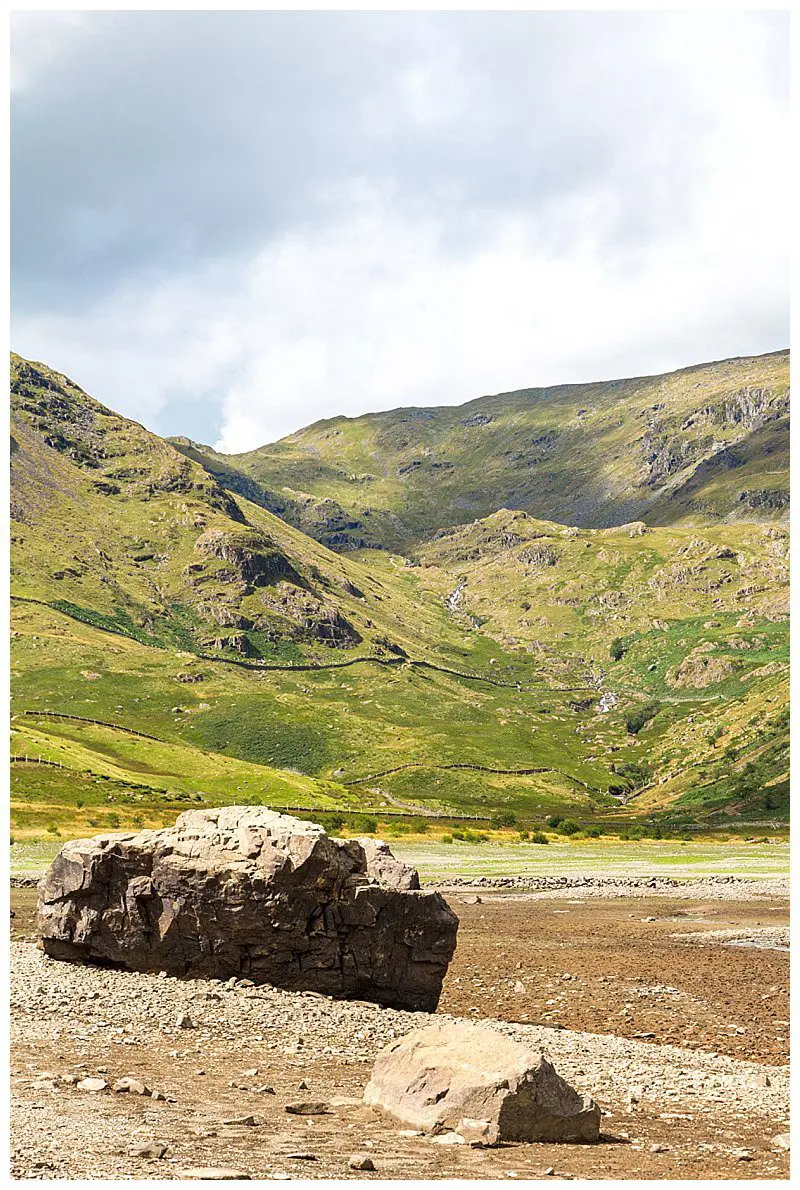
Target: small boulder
column 450, row 1076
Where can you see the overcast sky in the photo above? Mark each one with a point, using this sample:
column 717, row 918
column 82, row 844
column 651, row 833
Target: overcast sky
column 228, row 225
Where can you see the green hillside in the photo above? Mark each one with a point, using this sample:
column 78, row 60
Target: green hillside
column 173, row 640
column 707, row 443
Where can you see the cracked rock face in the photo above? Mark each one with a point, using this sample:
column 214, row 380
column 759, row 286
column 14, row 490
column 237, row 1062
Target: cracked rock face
column 247, row 892
column 486, row 1087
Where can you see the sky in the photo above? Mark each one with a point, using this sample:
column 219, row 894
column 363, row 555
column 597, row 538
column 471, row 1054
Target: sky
column 230, row 225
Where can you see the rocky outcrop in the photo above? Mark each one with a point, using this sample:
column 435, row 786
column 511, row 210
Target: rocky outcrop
column 247, row 892
column 252, row 557
column 470, row 1079
column 700, row 669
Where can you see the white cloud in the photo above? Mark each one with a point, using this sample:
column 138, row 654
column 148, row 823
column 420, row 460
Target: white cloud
column 621, row 239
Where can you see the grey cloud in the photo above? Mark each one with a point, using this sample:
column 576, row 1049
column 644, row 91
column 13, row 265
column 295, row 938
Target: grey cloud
column 161, row 140
column 228, row 224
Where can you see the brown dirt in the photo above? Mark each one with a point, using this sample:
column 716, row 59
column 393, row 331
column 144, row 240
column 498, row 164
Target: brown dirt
column 68, row 1134
column 729, row 999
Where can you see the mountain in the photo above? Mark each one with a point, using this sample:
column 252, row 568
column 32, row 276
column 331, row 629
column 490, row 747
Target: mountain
column 174, row 639
column 706, row 443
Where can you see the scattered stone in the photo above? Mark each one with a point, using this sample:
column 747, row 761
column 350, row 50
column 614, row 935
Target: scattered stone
column 92, row 1084
column 478, row 1133
column 213, row 1174
column 448, row 1138
column 782, row 1141
column 742, row 1154
column 184, row 1021
column 250, row 1073
column 354, row 912
column 360, row 1161
column 445, row 1072
column 243, row 1122
column 154, row 1150
column 133, row 1085
column 308, row 1109
column 301, row 1156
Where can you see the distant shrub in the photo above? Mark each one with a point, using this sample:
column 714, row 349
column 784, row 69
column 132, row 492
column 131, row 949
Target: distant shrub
column 11, row 840
column 504, row 818
column 113, row 821
column 334, row 822
column 715, row 735
column 617, row 648
column 594, row 832
column 79, row 804
column 554, row 821
column 366, row 825
column 420, row 826
column 52, row 829
column 475, row 837
column 447, row 839
column 634, row 773
column 524, row 836
column 568, row 827
column 637, row 719
column 539, row 837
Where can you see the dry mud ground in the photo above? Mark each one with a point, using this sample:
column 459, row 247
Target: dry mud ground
column 672, row 1012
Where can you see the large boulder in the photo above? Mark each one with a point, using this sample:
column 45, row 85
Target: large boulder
column 247, row 892
column 466, row 1078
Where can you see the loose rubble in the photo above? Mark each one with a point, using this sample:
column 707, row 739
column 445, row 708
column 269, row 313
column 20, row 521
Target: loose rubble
column 81, row 1018
column 728, row 888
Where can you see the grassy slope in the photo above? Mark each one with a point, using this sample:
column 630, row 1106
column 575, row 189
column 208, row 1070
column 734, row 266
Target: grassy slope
column 701, row 620
column 672, row 448
column 126, row 603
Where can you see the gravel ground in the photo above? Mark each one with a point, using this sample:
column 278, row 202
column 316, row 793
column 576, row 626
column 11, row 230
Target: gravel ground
column 672, row 1112
column 763, row 937
column 705, row 888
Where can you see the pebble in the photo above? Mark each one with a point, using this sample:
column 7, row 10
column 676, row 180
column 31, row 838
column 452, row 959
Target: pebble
column 92, row 1084
column 448, row 1138
column 782, row 1141
column 307, row 1109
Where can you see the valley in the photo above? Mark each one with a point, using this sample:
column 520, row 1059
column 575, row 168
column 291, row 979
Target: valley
column 175, row 641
